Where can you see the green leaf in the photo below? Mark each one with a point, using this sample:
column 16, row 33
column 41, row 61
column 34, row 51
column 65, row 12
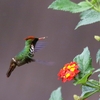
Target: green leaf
column 67, row 5
column 88, row 91
column 98, row 56
column 84, row 62
column 56, row 94
column 91, row 87
column 98, row 70
column 83, row 80
column 84, row 6
column 88, row 17
column 99, row 77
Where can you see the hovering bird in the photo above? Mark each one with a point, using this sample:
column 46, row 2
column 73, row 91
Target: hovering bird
column 26, row 55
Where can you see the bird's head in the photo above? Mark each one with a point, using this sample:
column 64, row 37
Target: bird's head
column 32, row 39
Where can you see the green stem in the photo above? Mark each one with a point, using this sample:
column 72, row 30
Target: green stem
column 92, row 85
column 99, row 82
column 95, row 85
column 95, row 8
column 89, row 3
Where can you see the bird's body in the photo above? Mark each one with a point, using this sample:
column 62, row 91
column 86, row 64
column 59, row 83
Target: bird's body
column 26, row 55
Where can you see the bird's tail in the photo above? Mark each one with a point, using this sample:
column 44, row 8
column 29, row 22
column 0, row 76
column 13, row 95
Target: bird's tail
column 11, row 68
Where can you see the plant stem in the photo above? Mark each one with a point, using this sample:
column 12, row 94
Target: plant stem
column 92, row 85
column 95, row 8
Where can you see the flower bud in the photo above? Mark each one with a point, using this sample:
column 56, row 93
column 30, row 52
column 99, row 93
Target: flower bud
column 97, row 37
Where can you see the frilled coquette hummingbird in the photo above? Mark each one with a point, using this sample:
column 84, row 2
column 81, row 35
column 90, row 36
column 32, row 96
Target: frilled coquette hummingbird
column 26, row 55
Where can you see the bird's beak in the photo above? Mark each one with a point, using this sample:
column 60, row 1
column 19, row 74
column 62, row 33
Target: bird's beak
column 41, row 38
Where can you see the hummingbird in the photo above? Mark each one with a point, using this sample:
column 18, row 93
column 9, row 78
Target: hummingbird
column 26, row 55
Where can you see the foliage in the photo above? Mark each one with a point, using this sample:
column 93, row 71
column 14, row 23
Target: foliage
column 88, row 86
column 89, row 13
column 56, row 94
column 89, row 10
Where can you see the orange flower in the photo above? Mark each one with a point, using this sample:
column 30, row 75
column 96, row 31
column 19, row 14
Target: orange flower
column 68, row 72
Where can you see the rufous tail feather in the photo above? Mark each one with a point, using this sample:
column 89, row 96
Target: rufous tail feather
column 11, row 68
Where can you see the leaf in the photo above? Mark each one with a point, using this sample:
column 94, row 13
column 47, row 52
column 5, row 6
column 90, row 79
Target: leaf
column 88, row 91
column 88, row 17
column 90, row 88
column 98, row 70
column 99, row 77
column 83, row 80
column 98, row 56
column 84, row 62
column 84, row 5
column 56, row 94
column 67, row 5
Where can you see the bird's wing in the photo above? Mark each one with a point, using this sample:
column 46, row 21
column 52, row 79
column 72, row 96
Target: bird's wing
column 39, row 45
column 28, row 60
column 48, row 63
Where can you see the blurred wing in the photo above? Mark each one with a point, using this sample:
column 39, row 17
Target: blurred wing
column 39, row 45
column 48, row 63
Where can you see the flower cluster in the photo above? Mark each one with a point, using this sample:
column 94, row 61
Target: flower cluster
column 68, row 72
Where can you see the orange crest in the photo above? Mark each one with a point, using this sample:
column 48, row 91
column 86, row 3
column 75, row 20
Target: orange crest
column 29, row 37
